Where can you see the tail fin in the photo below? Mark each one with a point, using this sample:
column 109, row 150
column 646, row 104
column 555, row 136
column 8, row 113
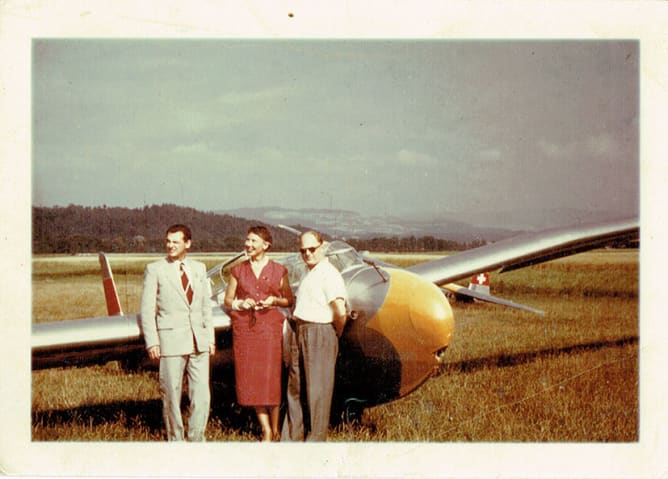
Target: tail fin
column 480, row 282
column 110, row 293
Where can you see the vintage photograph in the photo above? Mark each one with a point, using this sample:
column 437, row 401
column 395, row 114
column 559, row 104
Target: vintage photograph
column 370, row 244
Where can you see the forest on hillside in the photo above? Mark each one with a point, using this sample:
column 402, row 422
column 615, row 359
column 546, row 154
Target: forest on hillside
column 84, row 229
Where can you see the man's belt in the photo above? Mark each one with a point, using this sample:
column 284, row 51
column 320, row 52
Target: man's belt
column 300, row 321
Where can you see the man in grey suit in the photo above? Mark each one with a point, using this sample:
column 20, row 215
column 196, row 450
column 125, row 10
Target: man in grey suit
column 177, row 325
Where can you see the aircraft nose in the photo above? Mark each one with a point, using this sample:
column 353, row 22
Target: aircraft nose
column 431, row 316
column 416, row 324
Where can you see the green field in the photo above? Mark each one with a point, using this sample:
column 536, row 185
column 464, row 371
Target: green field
column 569, row 376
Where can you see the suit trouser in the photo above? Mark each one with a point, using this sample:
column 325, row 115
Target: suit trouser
column 312, row 362
column 196, row 367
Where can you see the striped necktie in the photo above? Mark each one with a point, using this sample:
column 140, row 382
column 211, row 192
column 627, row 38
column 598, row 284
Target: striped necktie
column 186, row 285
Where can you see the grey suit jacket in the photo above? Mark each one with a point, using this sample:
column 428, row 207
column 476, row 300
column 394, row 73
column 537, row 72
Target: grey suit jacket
column 167, row 320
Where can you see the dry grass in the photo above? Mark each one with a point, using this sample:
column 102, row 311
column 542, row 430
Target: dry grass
column 571, row 375
column 516, row 377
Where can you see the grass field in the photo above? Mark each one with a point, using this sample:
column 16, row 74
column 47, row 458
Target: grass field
column 569, row 376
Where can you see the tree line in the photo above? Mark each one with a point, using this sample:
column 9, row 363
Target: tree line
column 84, row 229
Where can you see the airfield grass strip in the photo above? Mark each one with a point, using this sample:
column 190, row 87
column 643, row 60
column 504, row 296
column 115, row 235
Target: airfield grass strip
column 571, row 375
column 544, row 390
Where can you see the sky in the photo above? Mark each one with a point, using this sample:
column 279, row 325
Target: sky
column 385, row 127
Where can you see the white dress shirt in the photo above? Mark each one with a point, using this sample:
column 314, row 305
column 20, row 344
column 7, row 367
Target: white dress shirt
column 321, row 285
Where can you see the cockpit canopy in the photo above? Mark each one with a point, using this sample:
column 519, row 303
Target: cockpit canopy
column 342, row 256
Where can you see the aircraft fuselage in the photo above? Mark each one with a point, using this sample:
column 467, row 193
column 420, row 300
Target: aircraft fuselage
column 399, row 325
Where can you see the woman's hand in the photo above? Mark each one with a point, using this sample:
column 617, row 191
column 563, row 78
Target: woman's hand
column 248, row 303
column 268, row 301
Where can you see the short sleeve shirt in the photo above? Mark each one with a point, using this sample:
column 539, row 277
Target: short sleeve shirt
column 321, row 285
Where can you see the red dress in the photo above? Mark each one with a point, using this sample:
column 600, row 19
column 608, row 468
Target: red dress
column 257, row 337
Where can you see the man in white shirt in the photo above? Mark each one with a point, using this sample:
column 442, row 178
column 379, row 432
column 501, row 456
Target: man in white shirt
column 320, row 316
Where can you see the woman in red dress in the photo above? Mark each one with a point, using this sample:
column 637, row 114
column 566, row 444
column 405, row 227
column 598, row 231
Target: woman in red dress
column 256, row 288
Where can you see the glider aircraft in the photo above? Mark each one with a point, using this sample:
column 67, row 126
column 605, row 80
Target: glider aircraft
column 400, row 320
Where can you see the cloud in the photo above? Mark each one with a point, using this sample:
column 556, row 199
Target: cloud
column 254, row 96
column 414, row 158
column 489, row 156
column 597, row 147
column 551, row 150
column 600, row 145
column 195, row 150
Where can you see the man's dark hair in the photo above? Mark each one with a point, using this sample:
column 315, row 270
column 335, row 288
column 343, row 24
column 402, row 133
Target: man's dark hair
column 187, row 235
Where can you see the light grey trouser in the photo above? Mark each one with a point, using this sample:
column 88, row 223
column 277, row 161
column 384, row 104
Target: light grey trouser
column 196, row 367
column 312, row 362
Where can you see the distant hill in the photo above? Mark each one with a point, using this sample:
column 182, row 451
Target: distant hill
column 74, row 229
column 78, row 229
column 538, row 219
column 350, row 224
column 490, row 225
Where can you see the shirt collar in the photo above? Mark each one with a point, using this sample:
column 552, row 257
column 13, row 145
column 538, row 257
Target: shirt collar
column 322, row 261
column 177, row 263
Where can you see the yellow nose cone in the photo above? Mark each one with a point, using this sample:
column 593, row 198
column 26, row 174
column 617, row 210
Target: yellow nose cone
column 431, row 316
column 417, row 320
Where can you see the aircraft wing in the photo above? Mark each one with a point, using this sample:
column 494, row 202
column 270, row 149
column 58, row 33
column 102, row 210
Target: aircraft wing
column 526, row 250
column 457, row 290
column 79, row 342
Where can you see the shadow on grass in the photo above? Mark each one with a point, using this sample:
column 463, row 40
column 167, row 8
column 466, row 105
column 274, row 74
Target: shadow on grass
column 240, row 421
column 509, row 360
column 146, row 415
column 126, row 414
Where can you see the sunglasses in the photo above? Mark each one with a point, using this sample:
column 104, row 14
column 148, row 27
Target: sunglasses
column 310, row 250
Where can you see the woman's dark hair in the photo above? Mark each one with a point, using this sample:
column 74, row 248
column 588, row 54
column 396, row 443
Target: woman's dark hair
column 263, row 232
